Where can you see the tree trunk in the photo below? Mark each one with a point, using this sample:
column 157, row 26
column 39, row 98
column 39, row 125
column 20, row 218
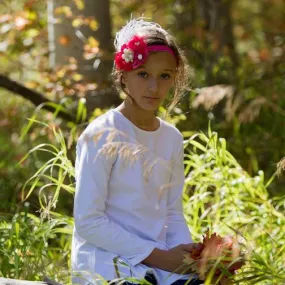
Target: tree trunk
column 94, row 70
column 219, row 41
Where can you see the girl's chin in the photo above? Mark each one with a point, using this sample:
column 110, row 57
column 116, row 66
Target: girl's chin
column 150, row 104
column 146, row 104
column 149, row 108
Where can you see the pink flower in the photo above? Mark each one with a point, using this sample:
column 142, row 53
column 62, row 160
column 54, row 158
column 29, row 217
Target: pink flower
column 132, row 55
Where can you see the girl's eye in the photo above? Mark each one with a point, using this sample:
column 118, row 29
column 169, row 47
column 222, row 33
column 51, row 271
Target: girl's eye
column 165, row 76
column 142, row 74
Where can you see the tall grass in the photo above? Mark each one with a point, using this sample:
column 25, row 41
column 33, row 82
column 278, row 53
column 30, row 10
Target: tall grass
column 27, row 249
column 37, row 246
column 219, row 196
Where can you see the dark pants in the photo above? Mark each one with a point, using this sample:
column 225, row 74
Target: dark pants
column 151, row 279
column 192, row 282
column 178, row 282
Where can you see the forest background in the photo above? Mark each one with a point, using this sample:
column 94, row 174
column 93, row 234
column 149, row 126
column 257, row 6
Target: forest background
column 55, row 62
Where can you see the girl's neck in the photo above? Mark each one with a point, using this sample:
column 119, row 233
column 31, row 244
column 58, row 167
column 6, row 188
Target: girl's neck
column 143, row 119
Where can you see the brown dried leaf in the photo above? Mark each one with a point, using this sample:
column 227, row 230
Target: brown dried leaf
column 64, row 40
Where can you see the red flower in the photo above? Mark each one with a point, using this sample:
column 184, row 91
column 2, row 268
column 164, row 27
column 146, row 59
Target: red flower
column 121, row 63
column 215, row 249
column 132, row 55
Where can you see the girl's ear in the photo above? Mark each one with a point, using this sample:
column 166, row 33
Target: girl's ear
column 123, row 81
column 124, row 78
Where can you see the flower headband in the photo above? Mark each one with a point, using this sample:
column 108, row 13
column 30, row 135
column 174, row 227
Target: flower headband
column 135, row 53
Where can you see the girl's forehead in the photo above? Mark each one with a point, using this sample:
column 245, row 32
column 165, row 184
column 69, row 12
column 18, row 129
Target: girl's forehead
column 160, row 61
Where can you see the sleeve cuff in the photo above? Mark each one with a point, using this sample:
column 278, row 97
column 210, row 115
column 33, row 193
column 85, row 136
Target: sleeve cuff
column 139, row 258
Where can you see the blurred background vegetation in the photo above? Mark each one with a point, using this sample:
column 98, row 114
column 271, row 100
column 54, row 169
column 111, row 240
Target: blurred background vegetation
column 55, row 62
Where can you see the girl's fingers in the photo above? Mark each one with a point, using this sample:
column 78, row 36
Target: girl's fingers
column 190, row 246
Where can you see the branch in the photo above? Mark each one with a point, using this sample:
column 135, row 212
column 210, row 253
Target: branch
column 36, row 98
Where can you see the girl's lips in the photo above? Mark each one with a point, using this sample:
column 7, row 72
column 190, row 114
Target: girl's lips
column 152, row 98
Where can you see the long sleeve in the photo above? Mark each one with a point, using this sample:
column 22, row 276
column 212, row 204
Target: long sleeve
column 93, row 171
column 177, row 229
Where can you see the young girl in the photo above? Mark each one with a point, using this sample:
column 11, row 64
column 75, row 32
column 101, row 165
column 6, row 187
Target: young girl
column 129, row 170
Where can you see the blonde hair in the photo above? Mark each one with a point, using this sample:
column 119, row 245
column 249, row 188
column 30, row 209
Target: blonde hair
column 154, row 34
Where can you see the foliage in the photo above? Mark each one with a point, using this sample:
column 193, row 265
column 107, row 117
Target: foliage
column 41, row 246
column 219, row 196
column 28, row 250
column 239, row 86
column 223, row 197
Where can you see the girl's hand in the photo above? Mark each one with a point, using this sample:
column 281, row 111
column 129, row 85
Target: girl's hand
column 175, row 257
column 170, row 260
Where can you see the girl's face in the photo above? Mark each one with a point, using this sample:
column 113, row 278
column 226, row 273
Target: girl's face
column 149, row 84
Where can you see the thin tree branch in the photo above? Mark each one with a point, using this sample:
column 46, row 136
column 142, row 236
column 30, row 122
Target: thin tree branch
column 33, row 96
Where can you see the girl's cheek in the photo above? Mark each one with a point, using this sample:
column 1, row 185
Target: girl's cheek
column 166, row 86
column 140, row 81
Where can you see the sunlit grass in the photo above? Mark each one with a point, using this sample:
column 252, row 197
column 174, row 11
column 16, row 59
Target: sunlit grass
column 219, row 196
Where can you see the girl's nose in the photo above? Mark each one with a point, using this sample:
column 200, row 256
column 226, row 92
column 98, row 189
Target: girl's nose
column 153, row 85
